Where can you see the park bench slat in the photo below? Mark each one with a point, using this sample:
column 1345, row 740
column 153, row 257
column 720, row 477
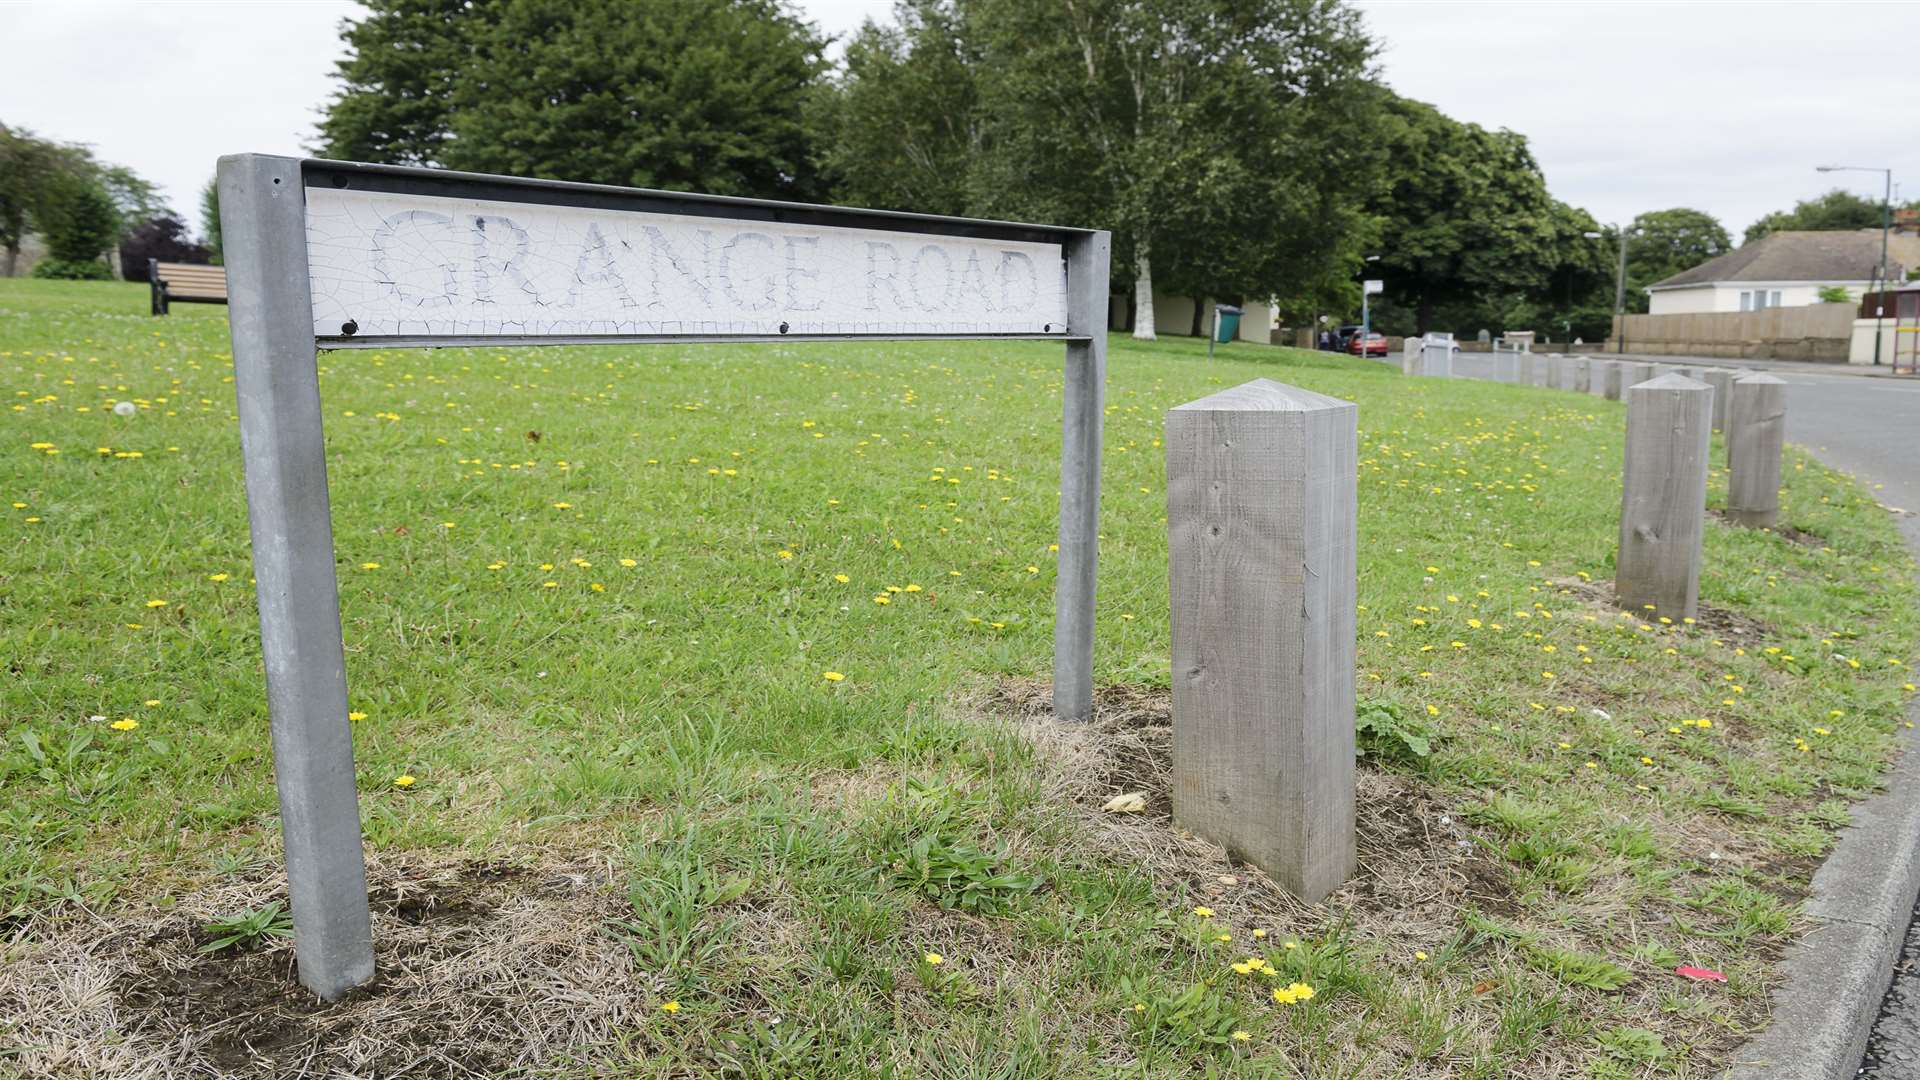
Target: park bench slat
column 185, row 281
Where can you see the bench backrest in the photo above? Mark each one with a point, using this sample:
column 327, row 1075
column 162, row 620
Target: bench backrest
column 190, row 279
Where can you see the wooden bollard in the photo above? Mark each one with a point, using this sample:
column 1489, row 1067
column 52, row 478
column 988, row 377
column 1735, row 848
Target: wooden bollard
column 1664, row 501
column 1598, row 372
column 1262, row 549
column 1756, row 430
column 1722, row 382
column 1582, row 374
column 1633, row 373
column 1529, row 370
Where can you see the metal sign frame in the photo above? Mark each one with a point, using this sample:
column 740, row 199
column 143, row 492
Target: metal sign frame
column 264, row 225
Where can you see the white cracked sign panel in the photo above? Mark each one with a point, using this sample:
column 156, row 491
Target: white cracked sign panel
column 430, row 266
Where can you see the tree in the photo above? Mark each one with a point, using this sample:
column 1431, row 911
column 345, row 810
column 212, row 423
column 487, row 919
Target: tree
column 80, row 222
column 1214, row 139
column 164, row 238
column 1662, row 243
column 1838, row 209
column 404, row 60
column 210, row 220
column 703, row 95
column 37, row 173
column 900, row 126
column 1466, row 218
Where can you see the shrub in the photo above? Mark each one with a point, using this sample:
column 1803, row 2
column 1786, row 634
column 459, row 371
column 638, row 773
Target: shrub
column 163, row 237
column 1834, row 294
column 72, row 270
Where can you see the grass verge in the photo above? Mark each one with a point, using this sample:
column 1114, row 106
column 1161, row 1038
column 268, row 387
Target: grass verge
column 592, row 598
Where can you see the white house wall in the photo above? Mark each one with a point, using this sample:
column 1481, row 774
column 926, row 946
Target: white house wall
column 1725, row 296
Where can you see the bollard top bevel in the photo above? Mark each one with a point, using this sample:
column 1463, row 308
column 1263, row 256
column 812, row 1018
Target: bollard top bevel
column 1264, row 395
column 1761, row 378
column 1671, row 381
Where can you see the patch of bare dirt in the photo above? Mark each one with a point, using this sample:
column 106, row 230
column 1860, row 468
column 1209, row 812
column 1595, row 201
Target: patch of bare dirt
column 1721, row 623
column 1417, row 865
column 484, row 969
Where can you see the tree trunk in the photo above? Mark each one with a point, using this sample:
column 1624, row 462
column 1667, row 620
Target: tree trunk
column 1142, row 295
column 1423, row 320
column 13, row 259
column 1199, row 309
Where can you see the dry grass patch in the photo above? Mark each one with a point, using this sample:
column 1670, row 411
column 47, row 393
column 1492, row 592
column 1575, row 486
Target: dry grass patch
column 484, row 968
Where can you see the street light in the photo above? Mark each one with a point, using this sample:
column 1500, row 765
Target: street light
column 1619, row 284
column 1886, row 222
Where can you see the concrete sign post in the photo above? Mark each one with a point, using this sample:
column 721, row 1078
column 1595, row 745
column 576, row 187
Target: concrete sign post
column 1664, row 498
column 334, row 255
column 1756, row 428
column 1262, row 550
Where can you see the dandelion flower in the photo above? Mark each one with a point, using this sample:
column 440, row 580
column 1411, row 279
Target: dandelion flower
column 934, row 959
column 403, row 780
column 670, row 1006
column 216, row 577
column 1204, row 912
column 127, row 724
column 832, row 676
column 356, row 716
column 1242, row 1036
column 156, row 603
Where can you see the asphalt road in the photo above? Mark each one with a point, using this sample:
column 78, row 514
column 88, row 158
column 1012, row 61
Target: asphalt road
column 1871, row 427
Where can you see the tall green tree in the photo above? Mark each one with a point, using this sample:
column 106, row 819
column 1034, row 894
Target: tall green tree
column 80, row 222
column 38, row 177
column 1213, row 138
column 404, row 60
column 703, row 95
column 1836, row 210
column 1466, row 221
column 1662, row 243
column 900, row 126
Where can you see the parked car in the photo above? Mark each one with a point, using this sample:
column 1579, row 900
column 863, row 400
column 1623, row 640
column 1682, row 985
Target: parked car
column 1343, row 336
column 1374, row 345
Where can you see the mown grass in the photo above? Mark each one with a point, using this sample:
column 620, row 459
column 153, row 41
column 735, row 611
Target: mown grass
column 591, row 597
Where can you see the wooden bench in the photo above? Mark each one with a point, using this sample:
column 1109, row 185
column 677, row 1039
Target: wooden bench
column 186, row 282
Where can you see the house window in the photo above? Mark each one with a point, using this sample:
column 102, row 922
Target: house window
column 1746, row 300
column 1759, row 299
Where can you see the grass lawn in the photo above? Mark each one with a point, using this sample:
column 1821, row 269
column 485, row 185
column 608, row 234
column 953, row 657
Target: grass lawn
column 699, row 709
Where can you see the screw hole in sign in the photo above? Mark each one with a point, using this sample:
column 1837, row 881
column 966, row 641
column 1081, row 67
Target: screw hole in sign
column 783, row 328
column 349, row 328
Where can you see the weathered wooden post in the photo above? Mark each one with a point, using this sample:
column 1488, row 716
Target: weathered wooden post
column 1598, row 372
column 1664, row 501
column 1756, row 429
column 1529, row 369
column 1436, row 355
column 1635, row 372
column 1262, row 549
column 1722, row 382
column 1582, row 374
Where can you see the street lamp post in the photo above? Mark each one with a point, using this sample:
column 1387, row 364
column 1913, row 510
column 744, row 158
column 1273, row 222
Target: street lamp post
column 1886, row 225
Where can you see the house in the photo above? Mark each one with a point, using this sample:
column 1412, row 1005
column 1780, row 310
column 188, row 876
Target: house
column 1784, row 269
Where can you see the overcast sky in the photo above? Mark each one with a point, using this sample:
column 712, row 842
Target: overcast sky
column 1629, row 106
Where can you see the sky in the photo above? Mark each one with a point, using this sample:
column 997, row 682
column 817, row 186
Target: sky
column 1629, row 106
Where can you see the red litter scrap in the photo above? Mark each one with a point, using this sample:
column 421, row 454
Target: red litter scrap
column 1701, row 974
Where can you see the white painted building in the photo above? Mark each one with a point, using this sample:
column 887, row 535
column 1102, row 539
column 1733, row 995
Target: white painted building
column 1783, row 269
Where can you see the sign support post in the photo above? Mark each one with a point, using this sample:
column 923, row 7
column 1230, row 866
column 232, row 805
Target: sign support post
column 341, row 255
column 276, row 375
column 1084, row 395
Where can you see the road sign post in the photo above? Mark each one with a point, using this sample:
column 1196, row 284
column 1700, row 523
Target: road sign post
column 339, row 255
